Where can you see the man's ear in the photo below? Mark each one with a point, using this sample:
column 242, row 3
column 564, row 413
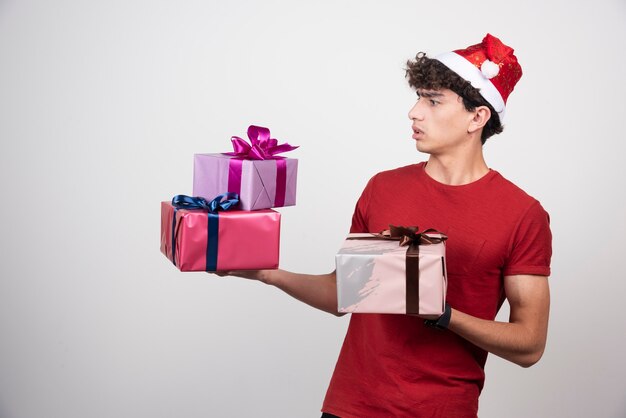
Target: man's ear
column 480, row 119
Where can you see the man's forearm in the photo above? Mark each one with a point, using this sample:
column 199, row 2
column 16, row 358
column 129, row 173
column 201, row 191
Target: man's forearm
column 511, row 341
column 318, row 291
column 522, row 339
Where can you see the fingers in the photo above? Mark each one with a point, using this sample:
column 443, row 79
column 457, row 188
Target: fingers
column 246, row 274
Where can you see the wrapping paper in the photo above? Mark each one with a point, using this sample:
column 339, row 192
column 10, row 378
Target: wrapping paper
column 371, row 277
column 242, row 240
column 261, row 184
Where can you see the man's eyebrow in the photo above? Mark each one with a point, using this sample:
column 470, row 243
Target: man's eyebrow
column 429, row 93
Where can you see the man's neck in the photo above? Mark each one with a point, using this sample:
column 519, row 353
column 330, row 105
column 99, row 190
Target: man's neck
column 456, row 170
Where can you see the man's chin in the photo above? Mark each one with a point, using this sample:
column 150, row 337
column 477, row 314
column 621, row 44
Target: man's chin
column 421, row 148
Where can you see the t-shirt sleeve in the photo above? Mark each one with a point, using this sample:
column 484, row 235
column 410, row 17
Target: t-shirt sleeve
column 359, row 217
column 531, row 244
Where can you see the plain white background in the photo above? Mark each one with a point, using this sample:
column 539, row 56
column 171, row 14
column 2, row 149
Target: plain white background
column 102, row 106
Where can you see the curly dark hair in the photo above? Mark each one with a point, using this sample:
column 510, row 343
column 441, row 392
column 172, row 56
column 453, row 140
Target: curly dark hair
column 429, row 73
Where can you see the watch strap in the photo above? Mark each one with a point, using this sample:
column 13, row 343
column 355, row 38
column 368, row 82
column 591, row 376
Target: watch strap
column 443, row 321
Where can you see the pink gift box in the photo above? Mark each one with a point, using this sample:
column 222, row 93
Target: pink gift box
column 233, row 240
column 371, row 277
column 261, row 184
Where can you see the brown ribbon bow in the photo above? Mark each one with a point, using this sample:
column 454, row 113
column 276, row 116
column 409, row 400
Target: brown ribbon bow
column 409, row 236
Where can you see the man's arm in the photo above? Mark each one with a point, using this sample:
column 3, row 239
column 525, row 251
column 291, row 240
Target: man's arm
column 318, row 291
column 521, row 340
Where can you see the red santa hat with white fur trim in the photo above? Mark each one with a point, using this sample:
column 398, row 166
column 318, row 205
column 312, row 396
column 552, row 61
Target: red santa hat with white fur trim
column 490, row 67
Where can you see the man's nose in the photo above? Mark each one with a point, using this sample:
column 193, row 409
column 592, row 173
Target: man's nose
column 416, row 112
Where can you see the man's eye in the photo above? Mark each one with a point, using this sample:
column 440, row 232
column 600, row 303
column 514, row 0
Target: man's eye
column 433, row 102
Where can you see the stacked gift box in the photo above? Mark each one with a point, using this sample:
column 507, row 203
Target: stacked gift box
column 228, row 223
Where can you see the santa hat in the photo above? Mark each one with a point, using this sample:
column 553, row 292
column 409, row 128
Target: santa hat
column 490, row 67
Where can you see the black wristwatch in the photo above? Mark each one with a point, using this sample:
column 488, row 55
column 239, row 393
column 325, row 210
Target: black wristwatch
column 442, row 322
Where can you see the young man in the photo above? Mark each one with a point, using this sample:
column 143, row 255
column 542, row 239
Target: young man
column 499, row 247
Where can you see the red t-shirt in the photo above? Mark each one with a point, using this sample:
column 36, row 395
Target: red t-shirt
column 395, row 366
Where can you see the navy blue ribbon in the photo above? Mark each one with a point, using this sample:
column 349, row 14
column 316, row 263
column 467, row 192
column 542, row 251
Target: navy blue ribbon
column 223, row 202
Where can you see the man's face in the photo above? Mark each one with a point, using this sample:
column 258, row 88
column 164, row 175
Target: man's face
column 440, row 121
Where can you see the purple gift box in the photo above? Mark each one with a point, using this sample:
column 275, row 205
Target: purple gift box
column 261, row 178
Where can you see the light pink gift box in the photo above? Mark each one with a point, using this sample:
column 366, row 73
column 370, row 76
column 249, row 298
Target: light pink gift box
column 261, row 184
column 371, row 277
column 245, row 240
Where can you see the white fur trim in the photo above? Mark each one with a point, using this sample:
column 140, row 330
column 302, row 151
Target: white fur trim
column 469, row 72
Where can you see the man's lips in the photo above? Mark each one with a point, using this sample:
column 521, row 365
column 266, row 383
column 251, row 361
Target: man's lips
column 417, row 132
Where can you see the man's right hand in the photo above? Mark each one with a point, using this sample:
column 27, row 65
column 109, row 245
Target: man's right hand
column 260, row 275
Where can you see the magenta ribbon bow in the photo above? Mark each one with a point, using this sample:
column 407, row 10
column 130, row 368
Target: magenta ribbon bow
column 261, row 146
